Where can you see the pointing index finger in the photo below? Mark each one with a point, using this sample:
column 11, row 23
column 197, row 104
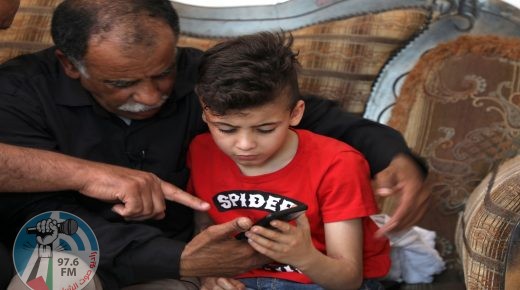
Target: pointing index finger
column 174, row 193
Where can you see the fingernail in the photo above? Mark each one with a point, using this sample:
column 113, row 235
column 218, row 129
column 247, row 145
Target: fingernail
column 384, row 190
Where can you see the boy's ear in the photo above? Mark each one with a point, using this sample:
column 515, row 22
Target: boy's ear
column 297, row 113
column 70, row 69
column 203, row 110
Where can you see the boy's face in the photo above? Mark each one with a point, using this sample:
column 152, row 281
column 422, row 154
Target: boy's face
column 255, row 137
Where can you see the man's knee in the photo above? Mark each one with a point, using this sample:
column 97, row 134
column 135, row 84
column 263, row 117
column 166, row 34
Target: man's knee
column 168, row 284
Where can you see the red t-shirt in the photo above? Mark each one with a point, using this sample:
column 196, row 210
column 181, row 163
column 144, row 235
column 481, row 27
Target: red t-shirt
column 330, row 177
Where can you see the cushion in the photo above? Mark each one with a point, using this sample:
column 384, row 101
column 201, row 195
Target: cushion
column 30, row 30
column 459, row 108
column 342, row 58
column 484, row 233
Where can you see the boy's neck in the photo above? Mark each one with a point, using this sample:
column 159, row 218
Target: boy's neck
column 281, row 159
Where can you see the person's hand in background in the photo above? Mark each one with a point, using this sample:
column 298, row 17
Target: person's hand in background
column 8, row 10
column 404, row 180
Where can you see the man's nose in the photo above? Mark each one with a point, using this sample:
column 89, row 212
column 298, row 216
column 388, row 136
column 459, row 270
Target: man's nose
column 148, row 93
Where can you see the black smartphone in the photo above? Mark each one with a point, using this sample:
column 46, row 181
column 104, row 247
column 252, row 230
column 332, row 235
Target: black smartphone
column 288, row 214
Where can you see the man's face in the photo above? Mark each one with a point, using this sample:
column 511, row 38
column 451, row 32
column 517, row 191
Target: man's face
column 8, row 9
column 131, row 82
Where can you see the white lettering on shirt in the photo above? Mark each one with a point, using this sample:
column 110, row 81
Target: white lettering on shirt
column 254, row 199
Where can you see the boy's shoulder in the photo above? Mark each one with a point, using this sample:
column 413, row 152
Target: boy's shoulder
column 202, row 141
column 318, row 142
column 202, row 138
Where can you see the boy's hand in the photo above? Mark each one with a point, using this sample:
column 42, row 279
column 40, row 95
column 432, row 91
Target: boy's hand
column 286, row 244
column 214, row 283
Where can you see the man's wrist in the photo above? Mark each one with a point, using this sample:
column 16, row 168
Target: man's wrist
column 421, row 163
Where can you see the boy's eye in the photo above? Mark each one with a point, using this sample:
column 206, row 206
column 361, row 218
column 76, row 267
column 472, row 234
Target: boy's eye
column 227, row 130
column 265, row 130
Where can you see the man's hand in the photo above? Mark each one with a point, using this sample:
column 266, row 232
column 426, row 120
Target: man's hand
column 139, row 195
column 215, row 252
column 214, row 283
column 403, row 179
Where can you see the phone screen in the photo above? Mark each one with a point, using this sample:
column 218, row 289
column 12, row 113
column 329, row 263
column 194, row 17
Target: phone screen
column 288, row 214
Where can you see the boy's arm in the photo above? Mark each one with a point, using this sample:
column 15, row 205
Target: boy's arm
column 344, row 259
column 396, row 171
column 341, row 268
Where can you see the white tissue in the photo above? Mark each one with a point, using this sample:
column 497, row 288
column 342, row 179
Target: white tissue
column 413, row 254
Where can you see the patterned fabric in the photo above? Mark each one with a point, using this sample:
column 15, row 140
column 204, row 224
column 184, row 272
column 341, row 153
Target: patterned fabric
column 460, row 109
column 30, row 30
column 484, row 231
column 341, row 59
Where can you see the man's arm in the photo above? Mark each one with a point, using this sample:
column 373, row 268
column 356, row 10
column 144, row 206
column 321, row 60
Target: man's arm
column 137, row 194
column 378, row 143
column 396, row 171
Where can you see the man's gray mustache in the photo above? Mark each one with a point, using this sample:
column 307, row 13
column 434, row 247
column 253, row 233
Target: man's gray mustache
column 137, row 107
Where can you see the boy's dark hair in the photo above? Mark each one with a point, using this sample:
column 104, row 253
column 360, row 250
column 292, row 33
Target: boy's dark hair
column 248, row 71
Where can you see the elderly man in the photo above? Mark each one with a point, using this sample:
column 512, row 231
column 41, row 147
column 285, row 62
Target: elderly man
column 117, row 90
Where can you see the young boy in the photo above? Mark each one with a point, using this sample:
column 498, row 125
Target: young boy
column 254, row 163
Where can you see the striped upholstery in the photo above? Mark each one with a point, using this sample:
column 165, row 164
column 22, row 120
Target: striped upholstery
column 342, row 58
column 30, row 30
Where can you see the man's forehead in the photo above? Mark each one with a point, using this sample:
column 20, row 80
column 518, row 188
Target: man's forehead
column 109, row 57
column 139, row 34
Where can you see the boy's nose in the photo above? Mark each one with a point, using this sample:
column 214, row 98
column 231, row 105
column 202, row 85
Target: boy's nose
column 246, row 142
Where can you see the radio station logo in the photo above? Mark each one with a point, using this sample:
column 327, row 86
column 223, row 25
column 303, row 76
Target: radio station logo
column 56, row 250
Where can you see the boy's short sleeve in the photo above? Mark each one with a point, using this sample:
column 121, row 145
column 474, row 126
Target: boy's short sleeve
column 345, row 191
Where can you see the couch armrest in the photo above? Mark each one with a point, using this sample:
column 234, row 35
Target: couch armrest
column 487, row 234
column 513, row 261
